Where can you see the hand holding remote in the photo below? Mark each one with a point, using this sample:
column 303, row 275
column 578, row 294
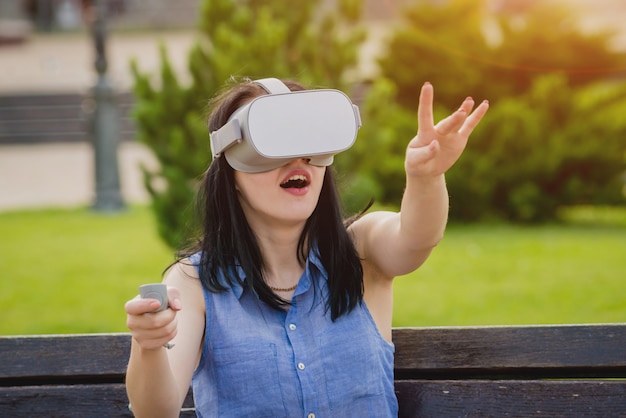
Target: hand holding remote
column 156, row 291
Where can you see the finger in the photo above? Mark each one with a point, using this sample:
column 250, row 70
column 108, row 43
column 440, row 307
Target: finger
column 163, row 327
column 153, row 339
column 139, row 306
column 153, row 325
column 419, row 155
column 425, row 108
column 452, row 123
column 472, row 120
column 467, row 105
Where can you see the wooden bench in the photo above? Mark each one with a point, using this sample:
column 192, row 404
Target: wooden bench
column 41, row 118
column 564, row 371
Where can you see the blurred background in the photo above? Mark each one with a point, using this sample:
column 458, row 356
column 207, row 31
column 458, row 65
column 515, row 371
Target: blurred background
column 103, row 139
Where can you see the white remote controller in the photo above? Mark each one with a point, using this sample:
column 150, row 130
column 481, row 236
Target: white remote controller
column 156, row 291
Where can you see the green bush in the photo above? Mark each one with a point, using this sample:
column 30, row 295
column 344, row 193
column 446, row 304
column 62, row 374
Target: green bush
column 553, row 136
column 237, row 38
column 553, row 147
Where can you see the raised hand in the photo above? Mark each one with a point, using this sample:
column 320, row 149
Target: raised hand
column 436, row 148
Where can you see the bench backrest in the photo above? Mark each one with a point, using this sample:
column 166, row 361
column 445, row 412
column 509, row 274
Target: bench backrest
column 42, row 118
column 469, row 371
column 576, row 370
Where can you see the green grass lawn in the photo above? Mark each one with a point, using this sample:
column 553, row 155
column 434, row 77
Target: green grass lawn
column 71, row 271
column 68, row 271
column 488, row 275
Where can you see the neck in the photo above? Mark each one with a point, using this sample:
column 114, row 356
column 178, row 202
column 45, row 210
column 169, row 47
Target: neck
column 280, row 256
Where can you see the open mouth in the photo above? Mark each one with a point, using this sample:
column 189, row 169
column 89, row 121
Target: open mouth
column 295, row 182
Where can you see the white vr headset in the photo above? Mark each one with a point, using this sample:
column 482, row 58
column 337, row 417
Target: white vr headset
column 283, row 126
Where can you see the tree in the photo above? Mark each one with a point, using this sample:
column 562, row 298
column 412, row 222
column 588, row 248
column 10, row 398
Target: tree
column 238, row 38
column 471, row 47
column 440, row 42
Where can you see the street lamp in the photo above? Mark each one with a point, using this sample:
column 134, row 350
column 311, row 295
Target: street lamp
column 104, row 124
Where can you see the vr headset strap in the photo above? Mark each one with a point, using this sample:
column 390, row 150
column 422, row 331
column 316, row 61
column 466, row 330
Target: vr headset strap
column 273, row 85
column 225, row 137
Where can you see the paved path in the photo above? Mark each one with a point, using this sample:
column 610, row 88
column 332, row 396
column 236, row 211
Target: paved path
column 62, row 174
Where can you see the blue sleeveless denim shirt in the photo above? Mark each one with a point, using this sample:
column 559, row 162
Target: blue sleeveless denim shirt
column 260, row 362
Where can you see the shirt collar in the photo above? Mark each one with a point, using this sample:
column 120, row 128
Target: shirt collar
column 238, row 283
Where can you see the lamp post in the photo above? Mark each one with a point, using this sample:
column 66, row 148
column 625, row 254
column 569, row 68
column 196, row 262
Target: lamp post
column 104, row 124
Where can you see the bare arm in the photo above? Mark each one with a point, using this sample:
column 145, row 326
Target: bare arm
column 398, row 243
column 158, row 379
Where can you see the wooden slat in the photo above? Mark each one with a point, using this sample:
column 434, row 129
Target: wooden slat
column 479, row 398
column 547, row 351
column 30, row 113
column 58, row 357
column 43, row 126
column 65, row 401
column 416, row 399
column 29, row 100
column 418, row 351
column 53, row 127
column 87, row 401
column 61, row 99
column 127, row 133
column 28, row 119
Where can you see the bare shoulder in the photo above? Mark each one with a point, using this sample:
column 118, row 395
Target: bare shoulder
column 182, row 270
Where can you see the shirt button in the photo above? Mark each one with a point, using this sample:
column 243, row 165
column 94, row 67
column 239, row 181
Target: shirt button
column 301, row 366
column 311, row 415
column 292, row 327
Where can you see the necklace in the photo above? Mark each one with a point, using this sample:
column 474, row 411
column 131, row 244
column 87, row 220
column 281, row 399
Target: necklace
column 284, row 289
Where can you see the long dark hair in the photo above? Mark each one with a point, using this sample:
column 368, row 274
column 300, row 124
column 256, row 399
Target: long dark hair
column 226, row 240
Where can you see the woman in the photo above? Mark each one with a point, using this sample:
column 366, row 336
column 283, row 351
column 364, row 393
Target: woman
column 281, row 309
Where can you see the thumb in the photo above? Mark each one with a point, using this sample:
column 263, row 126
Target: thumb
column 139, row 306
column 420, row 155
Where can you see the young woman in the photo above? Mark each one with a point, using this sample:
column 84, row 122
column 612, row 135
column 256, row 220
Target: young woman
column 282, row 309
